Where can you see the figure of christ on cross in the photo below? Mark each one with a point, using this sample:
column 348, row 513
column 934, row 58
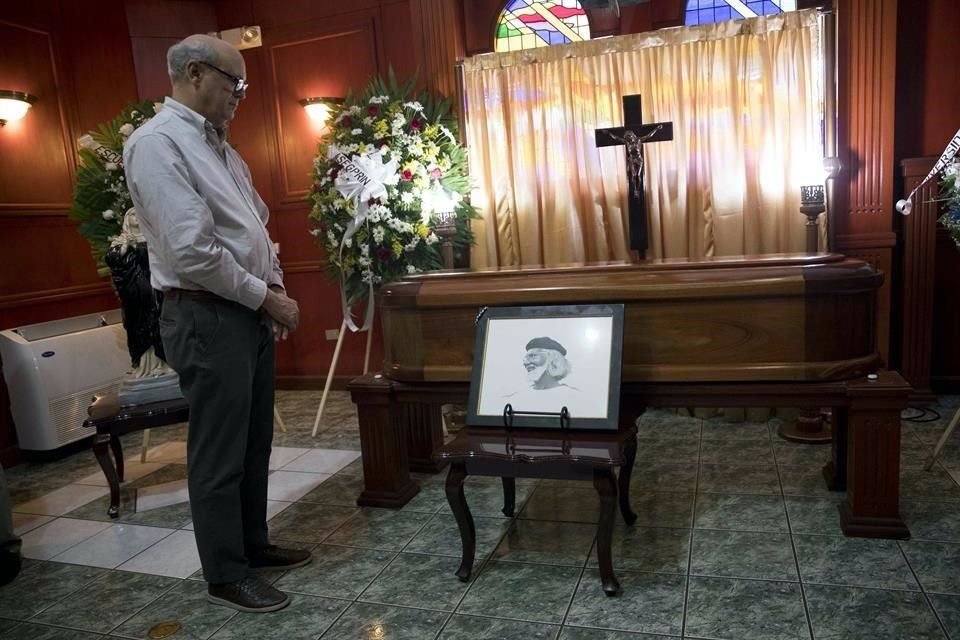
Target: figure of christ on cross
column 632, row 135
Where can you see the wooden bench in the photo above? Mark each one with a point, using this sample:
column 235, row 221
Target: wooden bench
column 112, row 421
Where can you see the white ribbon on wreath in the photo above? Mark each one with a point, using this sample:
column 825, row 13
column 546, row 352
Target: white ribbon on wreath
column 361, row 179
column 905, row 206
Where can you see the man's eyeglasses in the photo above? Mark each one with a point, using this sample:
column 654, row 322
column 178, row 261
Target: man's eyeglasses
column 239, row 84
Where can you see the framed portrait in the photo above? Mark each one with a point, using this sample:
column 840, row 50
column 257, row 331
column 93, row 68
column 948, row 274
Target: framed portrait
column 540, row 360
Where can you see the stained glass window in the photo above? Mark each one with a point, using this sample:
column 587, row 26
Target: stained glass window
column 525, row 24
column 705, row 11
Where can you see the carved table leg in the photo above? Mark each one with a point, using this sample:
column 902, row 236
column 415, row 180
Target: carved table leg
column 101, row 450
column 509, row 496
column 386, row 476
column 458, row 504
column 606, row 486
column 626, row 470
column 117, row 449
column 872, row 508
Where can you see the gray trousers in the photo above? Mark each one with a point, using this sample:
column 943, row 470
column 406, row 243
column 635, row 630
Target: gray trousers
column 223, row 353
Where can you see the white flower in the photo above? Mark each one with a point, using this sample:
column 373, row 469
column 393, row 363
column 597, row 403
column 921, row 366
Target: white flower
column 348, row 242
column 378, row 232
column 411, row 269
column 87, row 142
column 315, row 232
column 432, row 238
column 367, row 121
column 406, row 197
column 126, row 129
column 416, row 106
column 111, row 166
column 356, row 132
column 109, row 214
column 379, row 99
column 332, row 238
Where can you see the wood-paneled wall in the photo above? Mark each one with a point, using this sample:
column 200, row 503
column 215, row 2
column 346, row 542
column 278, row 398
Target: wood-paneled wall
column 76, row 59
column 927, row 310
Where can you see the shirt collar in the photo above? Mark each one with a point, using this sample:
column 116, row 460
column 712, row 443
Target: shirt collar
column 194, row 119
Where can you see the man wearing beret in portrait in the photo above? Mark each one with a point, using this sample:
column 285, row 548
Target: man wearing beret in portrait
column 546, row 364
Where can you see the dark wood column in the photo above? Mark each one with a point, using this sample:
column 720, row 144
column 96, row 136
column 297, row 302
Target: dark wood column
column 438, row 41
column 386, row 475
column 872, row 508
column 918, row 277
column 862, row 219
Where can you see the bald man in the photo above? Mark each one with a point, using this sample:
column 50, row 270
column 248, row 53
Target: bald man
column 224, row 304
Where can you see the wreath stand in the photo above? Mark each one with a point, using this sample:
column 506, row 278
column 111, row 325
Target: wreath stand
column 333, row 368
column 943, row 441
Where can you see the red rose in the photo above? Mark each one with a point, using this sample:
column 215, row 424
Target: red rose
column 334, row 173
column 416, row 124
column 436, row 173
column 407, row 175
column 373, row 110
column 316, row 187
column 383, row 253
column 347, row 121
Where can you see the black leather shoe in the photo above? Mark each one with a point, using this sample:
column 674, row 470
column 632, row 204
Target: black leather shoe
column 274, row 557
column 251, row 594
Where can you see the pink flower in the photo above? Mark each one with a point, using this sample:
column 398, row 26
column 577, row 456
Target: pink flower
column 407, row 175
column 373, row 110
column 416, row 124
column 436, row 173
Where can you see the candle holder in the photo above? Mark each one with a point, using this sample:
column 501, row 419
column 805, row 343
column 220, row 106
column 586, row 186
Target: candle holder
column 812, row 204
column 445, row 229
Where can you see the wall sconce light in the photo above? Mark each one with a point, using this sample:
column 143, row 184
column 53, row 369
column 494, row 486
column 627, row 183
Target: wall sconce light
column 319, row 108
column 14, row 105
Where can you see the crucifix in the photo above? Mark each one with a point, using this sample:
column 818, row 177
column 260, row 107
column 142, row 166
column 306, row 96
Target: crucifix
column 633, row 134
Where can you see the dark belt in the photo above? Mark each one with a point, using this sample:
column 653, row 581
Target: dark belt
column 193, row 294
column 200, row 295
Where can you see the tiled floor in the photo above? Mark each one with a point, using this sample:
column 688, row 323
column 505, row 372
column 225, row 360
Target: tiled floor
column 736, row 538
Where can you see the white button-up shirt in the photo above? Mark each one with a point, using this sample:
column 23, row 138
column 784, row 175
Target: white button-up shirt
column 204, row 223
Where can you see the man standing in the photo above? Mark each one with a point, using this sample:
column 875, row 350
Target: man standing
column 224, row 304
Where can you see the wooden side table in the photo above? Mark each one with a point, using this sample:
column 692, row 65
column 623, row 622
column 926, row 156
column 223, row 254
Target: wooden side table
column 112, row 421
column 553, row 454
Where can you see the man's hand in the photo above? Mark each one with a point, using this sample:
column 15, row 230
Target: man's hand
column 283, row 309
column 280, row 332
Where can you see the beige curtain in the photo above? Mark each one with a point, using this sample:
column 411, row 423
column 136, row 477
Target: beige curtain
column 744, row 99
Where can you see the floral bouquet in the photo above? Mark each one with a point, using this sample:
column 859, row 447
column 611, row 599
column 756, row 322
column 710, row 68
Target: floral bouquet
column 950, row 193
column 387, row 171
column 101, row 198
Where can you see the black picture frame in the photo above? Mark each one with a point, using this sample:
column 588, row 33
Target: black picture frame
column 541, row 359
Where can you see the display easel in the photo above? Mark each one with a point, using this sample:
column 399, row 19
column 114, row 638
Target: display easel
column 333, row 368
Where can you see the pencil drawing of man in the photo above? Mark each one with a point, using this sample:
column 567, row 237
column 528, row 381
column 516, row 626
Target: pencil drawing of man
column 546, row 363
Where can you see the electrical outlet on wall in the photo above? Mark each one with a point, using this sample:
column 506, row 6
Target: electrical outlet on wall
column 331, row 334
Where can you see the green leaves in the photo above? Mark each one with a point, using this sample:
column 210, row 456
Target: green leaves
column 99, row 189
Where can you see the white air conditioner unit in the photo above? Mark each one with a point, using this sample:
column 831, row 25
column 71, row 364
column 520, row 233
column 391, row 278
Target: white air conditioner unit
column 53, row 370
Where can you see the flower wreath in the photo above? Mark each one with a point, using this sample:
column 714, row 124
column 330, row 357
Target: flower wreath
column 101, row 198
column 950, row 193
column 387, row 170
